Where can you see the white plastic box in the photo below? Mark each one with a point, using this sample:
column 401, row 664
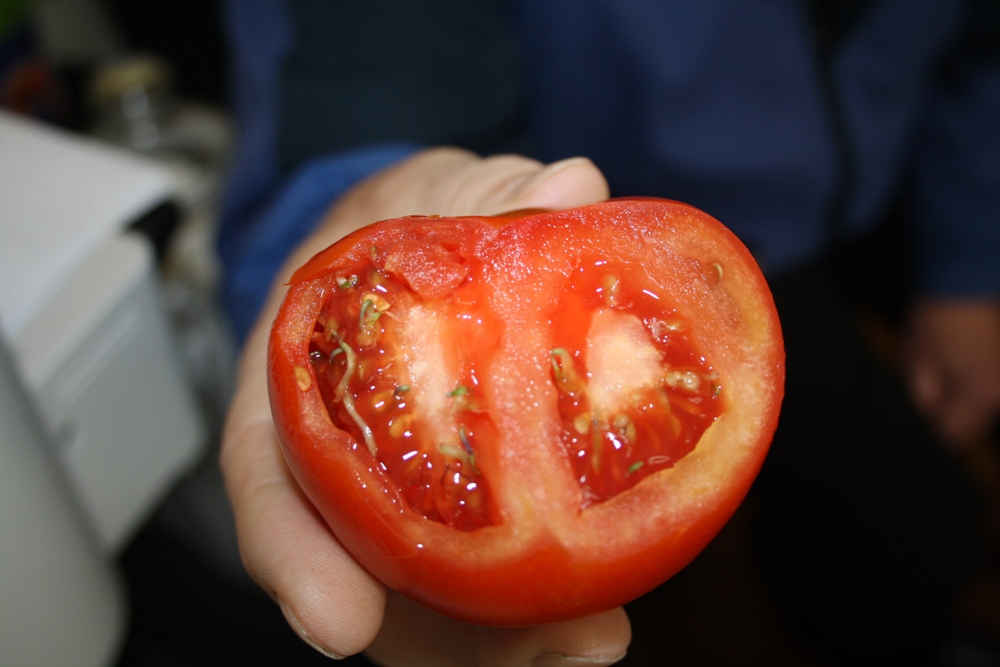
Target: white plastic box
column 82, row 319
column 99, row 363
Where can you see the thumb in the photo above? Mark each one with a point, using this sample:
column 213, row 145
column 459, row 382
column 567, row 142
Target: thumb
column 565, row 184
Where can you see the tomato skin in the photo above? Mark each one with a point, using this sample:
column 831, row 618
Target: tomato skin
column 548, row 559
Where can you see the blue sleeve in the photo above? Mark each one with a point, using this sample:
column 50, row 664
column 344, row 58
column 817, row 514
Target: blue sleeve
column 259, row 35
column 956, row 190
column 263, row 242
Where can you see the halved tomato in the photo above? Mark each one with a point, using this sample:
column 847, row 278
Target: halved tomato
column 529, row 417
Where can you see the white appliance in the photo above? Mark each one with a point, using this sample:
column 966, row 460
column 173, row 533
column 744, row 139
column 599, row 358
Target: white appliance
column 81, row 316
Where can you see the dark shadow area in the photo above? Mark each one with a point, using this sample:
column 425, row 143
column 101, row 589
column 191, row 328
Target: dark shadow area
column 185, row 613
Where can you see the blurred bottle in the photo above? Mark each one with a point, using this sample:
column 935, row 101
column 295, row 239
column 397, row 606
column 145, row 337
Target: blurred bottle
column 133, row 103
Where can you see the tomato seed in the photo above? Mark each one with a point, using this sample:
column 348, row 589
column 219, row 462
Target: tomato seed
column 379, row 302
column 380, row 401
column 303, row 378
column 400, row 426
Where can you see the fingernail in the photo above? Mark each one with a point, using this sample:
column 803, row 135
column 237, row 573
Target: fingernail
column 301, row 632
column 560, row 660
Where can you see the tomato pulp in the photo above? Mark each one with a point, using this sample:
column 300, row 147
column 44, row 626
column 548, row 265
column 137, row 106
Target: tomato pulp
column 530, row 417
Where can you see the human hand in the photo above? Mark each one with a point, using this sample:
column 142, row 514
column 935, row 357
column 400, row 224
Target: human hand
column 953, row 364
column 330, row 600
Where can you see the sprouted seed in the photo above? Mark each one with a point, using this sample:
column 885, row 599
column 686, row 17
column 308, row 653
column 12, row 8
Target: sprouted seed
column 463, row 436
column 341, row 394
column 369, row 314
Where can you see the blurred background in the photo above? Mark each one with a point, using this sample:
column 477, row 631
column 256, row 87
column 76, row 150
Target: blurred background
column 117, row 544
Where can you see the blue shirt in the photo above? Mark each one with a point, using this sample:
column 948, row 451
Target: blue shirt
column 724, row 104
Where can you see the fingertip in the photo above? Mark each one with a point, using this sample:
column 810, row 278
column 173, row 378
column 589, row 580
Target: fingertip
column 338, row 620
column 333, row 603
column 601, row 639
column 566, row 184
column 304, row 634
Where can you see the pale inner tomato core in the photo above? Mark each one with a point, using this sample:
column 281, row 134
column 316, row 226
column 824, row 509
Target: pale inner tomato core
column 407, row 395
column 635, row 395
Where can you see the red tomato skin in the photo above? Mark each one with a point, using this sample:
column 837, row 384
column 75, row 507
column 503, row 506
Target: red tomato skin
column 549, row 561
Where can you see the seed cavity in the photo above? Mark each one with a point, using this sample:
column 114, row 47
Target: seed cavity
column 360, row 365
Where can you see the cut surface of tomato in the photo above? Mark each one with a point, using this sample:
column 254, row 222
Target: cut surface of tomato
column 399, row 374
column 530, row 417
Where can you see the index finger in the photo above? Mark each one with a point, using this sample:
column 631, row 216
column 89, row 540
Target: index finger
column 330, row 600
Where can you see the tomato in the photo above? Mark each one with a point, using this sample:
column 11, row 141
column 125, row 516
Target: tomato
column 530, row 417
